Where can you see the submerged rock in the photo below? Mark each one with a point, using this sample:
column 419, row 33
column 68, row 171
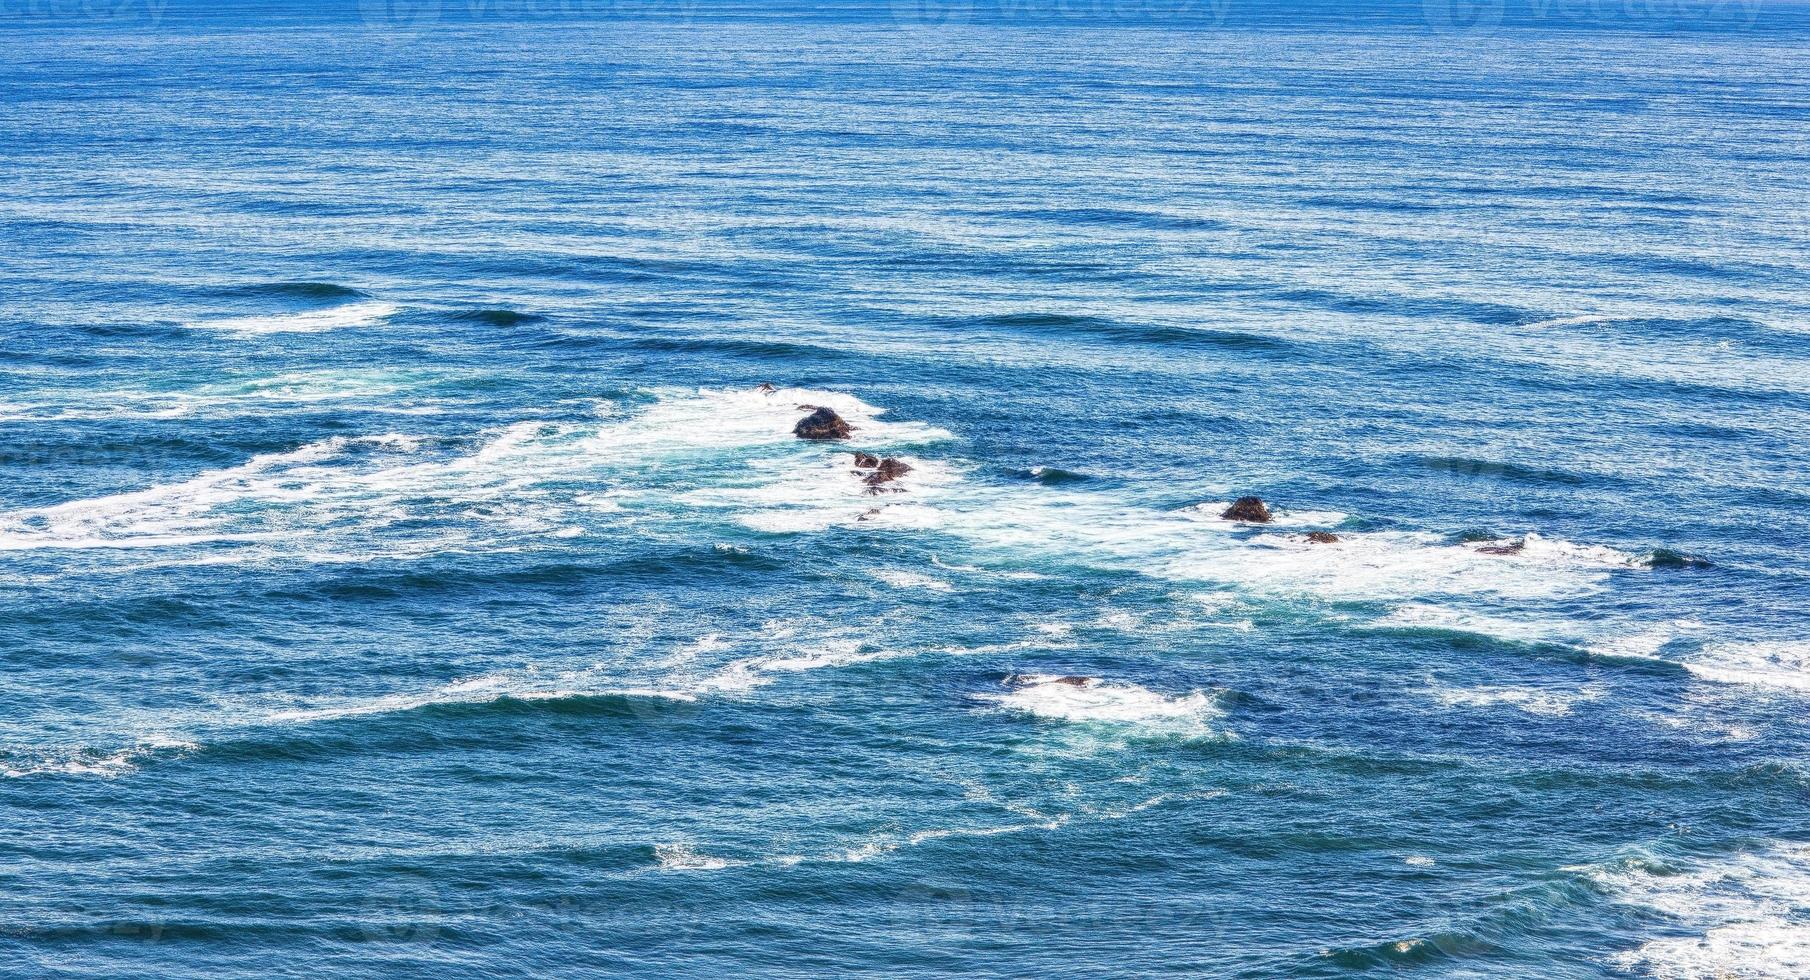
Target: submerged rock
column 866, row 461
column 1511, row 548
column 823, row 423
column 765, row 387
column 1251, row 509
column 1073, row 681
column 1322, row 537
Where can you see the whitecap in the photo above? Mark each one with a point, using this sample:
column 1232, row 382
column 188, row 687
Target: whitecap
column 1550, row 701
column 1579, row 320
column 87, row 761
column 362, row 314
column 683, row 857
column 1093, row 700
column 900, row 579
column 751, row 672
column 1774, row 664
column 1747, row 915
column 485, row 689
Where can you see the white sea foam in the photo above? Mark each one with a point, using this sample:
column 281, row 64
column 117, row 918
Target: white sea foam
column 731, row 455
column 1549, row 701
column 900, row 579
column 1095, row 700
column 84, row 761
column 398, row 496
column 1579, row 320
column 519, row 686
column 683, row 857
column 361, row 314
column 1193, row 544
column 1746, row 916
column 751, row 672
column 1775, row 664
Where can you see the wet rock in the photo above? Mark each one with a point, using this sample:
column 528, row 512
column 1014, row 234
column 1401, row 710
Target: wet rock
column 886, row 470
column 866, row 461
column 765, row 387
column 1322, row 537
column 1251, row 509
column 869, row 513
column 823, row 423
column 1511, row 548
column 1031, row 680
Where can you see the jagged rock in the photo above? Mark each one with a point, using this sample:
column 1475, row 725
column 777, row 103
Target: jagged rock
column 1511, row 548
column 766, row 387
column 1029, row 680
column 1322, row 537
column 866, row 461
column 886, row 470
column 823, row 423
column 1250, row 509
column 870, row 512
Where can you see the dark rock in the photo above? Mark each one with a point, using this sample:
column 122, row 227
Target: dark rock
column 766, row 387
column 1511, row 548
column 823, row 423
column 1322, row 537
column 866, row 461
column 1250, row 509
column 1030, row 680
column 886, row 470
column 870, row 512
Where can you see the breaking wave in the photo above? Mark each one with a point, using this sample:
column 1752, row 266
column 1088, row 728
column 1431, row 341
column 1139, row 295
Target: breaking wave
column 363, row 314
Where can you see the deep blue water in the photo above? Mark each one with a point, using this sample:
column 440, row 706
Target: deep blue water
column 401, row 574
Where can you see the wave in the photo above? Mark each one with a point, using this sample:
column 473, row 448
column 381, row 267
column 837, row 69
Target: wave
column 399, row 495
column 729, row 454
column 299, row 289
column 86, row 761
column 1548, row 701
column 1074, row 699
column 1745, row 915
column 364, row 314
column 1775, row 664
column 385, row 392
column 751, row 672
column 1688, row 646
column 1514, row 472
column 498, row 317
column 1054, row 476
column 487, row 689
column 1071, row 325
column 684, row 857
column 1577, row 320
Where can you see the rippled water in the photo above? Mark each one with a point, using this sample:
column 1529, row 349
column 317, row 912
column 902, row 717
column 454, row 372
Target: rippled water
column 402, row 574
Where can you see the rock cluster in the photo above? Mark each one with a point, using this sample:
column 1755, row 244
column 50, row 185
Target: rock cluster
column 885, row 470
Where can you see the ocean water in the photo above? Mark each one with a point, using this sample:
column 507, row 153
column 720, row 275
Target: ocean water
column 401, row 573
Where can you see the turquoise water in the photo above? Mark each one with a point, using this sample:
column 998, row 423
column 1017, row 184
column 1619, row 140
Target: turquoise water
column 401, row 573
